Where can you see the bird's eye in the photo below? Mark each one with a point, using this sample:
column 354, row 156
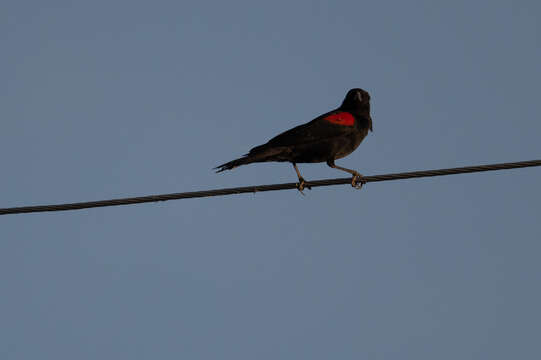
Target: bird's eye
column 359, row 96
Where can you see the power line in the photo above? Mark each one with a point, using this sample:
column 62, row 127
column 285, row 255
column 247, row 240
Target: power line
column 261, row 188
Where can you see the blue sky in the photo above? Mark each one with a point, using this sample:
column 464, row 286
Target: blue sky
column 126, row 98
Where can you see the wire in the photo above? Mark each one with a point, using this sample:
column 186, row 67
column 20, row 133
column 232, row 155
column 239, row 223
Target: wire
column 261, row 188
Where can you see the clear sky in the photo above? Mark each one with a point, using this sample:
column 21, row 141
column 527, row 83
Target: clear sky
column 103, row 99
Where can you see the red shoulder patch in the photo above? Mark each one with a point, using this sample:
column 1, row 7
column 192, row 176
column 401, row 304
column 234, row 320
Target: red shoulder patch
column 341, row 118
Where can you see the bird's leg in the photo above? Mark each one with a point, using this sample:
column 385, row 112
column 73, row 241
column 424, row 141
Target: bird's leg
column 356, row 181
column 302, row 182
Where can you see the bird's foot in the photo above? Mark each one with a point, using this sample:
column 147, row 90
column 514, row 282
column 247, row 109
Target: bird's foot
column 302, row 184
column 357, row 181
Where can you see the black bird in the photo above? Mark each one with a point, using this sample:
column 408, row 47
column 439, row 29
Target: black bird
column 328, row 137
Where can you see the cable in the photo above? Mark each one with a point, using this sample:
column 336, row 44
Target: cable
column 261, row 188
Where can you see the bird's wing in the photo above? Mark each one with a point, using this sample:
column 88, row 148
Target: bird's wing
column 332, row 124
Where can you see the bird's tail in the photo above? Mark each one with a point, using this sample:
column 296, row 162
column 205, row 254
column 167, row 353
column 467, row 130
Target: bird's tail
column 234, row 163
column 259, row 155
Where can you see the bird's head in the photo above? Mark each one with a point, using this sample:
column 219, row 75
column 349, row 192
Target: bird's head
column 358, row 101
column 356, row 98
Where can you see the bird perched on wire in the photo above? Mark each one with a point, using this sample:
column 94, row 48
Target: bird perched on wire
column 328, row 137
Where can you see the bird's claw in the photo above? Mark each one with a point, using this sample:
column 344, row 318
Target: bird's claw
column 301, row 185
column 357, row 181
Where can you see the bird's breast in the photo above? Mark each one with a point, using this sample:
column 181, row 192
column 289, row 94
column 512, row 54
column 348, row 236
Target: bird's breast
column 350, row 143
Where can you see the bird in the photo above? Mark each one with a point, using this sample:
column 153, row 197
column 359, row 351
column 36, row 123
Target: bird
column 328, row 137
